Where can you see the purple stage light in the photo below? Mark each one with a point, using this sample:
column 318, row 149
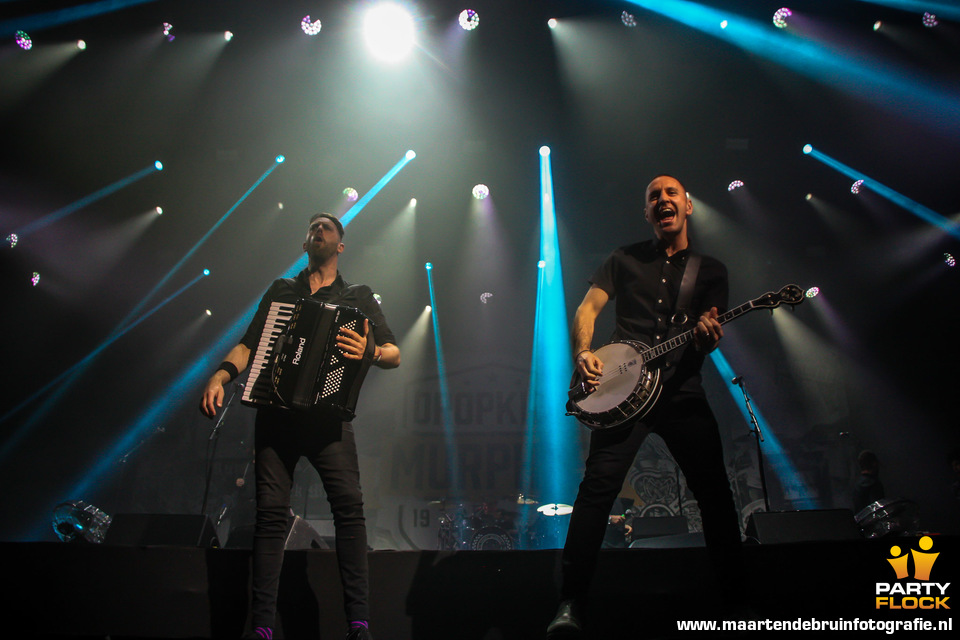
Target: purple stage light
column 813, row 292
column 481, row 191
column 950, row 260
column 351, row 194
column 736, row 184
column 12, row 239
column 23, row 40
column 628, row 19
column 855, row 187
column 469, row 19
column 310, row 27
column 780, row 17
column 36, row 278
column 930, row 20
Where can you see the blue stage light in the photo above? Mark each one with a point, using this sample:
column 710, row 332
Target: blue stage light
column 922, row 212
column 428, row 266
column 411, row 154
column 775, row 454
column 206, row 272
column 544, row 151
column 280, row 159
column 158, row 165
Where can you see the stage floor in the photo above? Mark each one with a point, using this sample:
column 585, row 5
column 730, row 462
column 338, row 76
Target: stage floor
column 179, row 592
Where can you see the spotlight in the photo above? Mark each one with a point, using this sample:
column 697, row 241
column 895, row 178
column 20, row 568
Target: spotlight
column 377, row 297
column 208, row 312
column 486, row 295
column 855, row 187
column 736, row 184
column 351, row 194
column 930, row 20
column 228, row 35
column 12, row 239
column 36, row 278
column 544, row 151
column 807, row 148
column 280, row 159
column 877, row 25
column 481, row 191
column 723, row 24
column 389, row 32
column 159, row 211
column 167, row 31
column 280, row 206
column 158, row 165
column 628, row 19
column 949, row 260
column 23, row 40
column 206, row 272
column 413, row 202
column 808, row 197
column 428, row 266
column 311, row 28
column 812, row 292
column 411, row 154
column 82, row 45
column 541, row 264
column 552, row 23
column 469, row 19
column 780, row 17
column 428, row 308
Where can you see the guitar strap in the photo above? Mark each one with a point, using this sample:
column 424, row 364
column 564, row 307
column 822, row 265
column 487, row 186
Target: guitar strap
column 681, row 312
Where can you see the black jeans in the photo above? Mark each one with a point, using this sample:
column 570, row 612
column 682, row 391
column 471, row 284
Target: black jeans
column 690, row 431
column 281, row 440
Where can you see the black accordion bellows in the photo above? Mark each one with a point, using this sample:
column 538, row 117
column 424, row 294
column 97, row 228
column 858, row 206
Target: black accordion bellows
column 297, row 364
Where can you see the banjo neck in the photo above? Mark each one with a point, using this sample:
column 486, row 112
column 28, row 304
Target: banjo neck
column 678, row 341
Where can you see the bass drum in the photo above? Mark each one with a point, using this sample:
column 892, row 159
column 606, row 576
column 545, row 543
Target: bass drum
column 491, row 539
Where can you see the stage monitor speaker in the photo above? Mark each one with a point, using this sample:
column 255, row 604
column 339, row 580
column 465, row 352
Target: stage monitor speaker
column 166, row 529
column 655, row 526
column 777, row 527
column 300, row 535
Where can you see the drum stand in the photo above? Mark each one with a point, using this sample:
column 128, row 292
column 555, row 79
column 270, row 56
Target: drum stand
column 758, row 435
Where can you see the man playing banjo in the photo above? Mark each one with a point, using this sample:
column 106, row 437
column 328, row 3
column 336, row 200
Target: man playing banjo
column 648, row 280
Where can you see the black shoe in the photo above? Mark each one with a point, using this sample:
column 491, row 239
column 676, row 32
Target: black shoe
column 359, row 632
column 566, row 624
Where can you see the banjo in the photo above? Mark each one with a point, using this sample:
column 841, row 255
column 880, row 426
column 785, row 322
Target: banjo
column 628, row 388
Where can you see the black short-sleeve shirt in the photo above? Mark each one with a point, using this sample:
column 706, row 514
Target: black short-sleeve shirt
column 644, row 283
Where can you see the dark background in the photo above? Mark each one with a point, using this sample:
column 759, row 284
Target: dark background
column 873, row 358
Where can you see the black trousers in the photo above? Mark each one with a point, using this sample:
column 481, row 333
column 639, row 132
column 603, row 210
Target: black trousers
column 690, row 431
column 281, row 440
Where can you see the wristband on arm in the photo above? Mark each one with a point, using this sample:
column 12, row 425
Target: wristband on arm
column 230, row 368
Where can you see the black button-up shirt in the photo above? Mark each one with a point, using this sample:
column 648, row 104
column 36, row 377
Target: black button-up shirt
column 644, row 283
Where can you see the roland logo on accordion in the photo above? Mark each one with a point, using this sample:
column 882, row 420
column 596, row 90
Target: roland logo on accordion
column 298, row 365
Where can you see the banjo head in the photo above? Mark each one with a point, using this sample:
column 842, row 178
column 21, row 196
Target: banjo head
column 626, row 388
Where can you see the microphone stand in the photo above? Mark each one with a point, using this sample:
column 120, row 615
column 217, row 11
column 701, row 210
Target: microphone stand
column 212, row 448
column 758, row 435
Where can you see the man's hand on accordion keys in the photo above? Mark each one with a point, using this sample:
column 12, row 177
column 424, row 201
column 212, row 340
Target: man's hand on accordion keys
column 352, row 344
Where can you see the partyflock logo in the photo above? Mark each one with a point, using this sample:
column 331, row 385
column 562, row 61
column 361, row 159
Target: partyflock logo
column 914, row 591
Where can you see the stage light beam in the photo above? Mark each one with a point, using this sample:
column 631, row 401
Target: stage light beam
column 389, row 32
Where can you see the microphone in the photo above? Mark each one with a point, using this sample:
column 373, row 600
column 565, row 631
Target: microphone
column 737, row 380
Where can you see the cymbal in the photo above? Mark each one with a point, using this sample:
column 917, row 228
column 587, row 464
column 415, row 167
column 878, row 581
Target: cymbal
column 553, row 509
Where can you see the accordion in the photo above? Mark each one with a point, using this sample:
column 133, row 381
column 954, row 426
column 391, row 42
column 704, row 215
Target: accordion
column 298, row 365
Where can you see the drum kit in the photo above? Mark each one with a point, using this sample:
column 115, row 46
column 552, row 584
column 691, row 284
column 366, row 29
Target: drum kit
column 497, row 525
